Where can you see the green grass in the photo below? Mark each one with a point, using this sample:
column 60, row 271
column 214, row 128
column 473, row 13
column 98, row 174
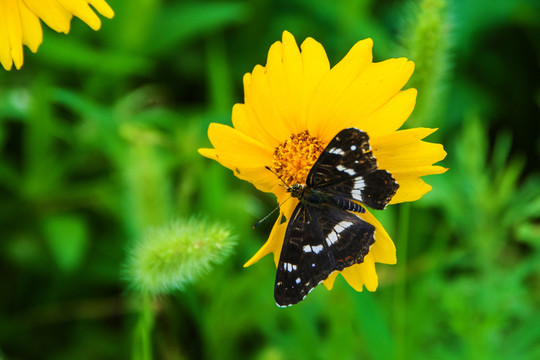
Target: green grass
column 99, row 134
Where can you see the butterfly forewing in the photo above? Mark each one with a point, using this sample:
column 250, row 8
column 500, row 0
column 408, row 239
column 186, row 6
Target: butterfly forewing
column 318, row 241
column 347, row 168
column 347, row 154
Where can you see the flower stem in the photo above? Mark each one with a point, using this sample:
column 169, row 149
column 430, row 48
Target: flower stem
column 400, row 297
column 142, row 337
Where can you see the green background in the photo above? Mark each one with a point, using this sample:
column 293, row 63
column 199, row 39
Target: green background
column 99, row 134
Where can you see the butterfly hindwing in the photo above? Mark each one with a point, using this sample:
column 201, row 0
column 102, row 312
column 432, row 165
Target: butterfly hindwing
column 347, row 168
column 319, row 240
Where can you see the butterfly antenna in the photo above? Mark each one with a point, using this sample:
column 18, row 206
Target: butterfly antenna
column 279, row 177
column 273, row 211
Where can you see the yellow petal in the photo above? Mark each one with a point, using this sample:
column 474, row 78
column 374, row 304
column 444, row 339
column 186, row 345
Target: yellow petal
column 240, row 148
column 362, row 274
column 32, row 33
column 315, row 66
column 369, row 91
column 102, row 7
column 383, row 250
column 406, row 157
column 275, row 240
column 259, row 103
column 82, row 10
column 209, row 153
column 260, row 177
column 240, row 153
column 12, row 20
column 246, row 121
column 334, row 84
column 284, row 73
column 411, row 187
column 410, row 190
column 414, row 172
column 329, row 282
column 5, row 51
column 277, row 96
column 389, row 117
column 52, row 14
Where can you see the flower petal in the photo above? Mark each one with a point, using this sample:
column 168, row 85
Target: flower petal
column 315, row 66
column 259, row 104
column 389, row 117
column 383, row 250
column 406, row 157
column 334, row 84
column 12, row 20
column 362, row 274
column 245, row 120
column 102, row 7
column 284, row 71
column 261, row 178
column 275, row 240
column 239, row 147
column 52, row 13
column 403, row 149
column 410, row 190
column 32, row 33
column 240, row 153
column 370, row 91
column 329, row 282
column 82, row 10
column 5, row 51
column 277, row 96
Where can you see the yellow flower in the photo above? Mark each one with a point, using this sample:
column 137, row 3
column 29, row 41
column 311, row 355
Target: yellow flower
column 19, row 23
column 296, row 104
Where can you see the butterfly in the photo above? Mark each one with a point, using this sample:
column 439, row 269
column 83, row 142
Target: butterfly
column 323, row 234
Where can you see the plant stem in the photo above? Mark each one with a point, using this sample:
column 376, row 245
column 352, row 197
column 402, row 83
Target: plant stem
column 142, row 338
column 400, row 299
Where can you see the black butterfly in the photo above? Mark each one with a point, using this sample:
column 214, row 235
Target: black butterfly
column 323, row 235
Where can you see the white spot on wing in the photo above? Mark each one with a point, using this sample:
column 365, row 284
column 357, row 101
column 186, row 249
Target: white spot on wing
column 336, row 151
column 344, row 169
column 289, row 267
column 331, row 238
column 317, row 249
column 353, row 147
column 307, row 248
column 342, row 226
column 298, row 280
column 359, row 185
column 357, row 194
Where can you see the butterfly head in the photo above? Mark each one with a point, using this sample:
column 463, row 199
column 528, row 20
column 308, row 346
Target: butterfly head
column 297, row 190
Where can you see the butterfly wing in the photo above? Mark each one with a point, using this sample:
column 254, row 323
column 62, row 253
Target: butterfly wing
column 319, row 240
column 347, row 169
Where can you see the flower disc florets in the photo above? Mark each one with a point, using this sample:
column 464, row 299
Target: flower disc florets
column 294, row 158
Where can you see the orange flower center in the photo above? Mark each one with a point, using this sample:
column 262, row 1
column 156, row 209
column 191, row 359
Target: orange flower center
column 294, row 158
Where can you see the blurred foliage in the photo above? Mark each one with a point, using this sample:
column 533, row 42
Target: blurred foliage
column 98, row 142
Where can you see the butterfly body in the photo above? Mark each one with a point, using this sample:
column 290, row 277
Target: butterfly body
column 324, row 233
column 318, row 198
